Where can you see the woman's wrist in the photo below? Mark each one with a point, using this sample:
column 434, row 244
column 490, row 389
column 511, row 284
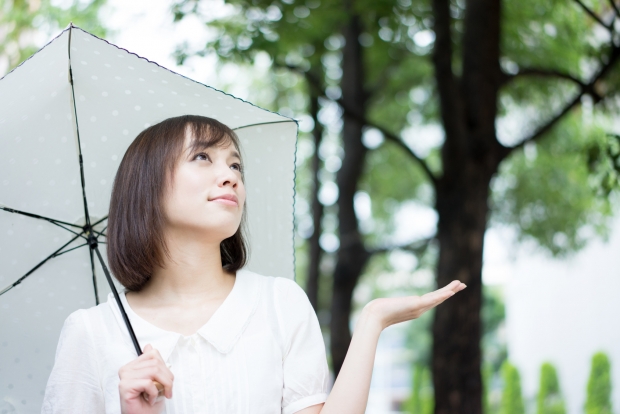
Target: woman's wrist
column 370, row 319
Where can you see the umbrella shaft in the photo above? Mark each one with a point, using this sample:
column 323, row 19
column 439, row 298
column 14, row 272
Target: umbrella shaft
column 118, row 301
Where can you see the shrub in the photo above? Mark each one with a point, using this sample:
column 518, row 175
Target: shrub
column 598, row 400
column 549, row 399
column 512, row 400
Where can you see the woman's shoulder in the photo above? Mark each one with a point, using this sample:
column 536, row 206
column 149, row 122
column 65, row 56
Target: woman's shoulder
column 88, row 318
column 277, row 286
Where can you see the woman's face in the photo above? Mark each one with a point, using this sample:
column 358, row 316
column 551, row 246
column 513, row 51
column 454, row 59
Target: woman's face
column 193, row 202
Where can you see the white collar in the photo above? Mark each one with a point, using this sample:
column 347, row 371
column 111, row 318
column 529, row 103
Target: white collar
column 222, row 330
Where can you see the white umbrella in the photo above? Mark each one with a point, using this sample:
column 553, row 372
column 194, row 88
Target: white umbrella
column 67, row 115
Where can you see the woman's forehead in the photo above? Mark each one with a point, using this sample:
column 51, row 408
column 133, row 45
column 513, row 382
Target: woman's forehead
column 193, row 142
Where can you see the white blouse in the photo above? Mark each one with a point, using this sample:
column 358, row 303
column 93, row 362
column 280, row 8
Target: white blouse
column 261, row 352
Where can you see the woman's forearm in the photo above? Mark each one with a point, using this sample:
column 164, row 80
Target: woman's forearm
column 349, row 395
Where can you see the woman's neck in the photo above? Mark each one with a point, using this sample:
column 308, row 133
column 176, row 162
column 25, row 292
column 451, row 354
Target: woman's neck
column 192, row 273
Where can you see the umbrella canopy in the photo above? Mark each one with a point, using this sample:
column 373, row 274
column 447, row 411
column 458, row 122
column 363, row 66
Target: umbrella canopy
column 67, row 115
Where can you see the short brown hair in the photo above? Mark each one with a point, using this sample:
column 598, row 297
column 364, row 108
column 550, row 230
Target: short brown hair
column 135, row 236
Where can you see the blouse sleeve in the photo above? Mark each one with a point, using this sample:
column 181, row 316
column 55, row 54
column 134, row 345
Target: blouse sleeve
column 73, row 385
column 304, row 366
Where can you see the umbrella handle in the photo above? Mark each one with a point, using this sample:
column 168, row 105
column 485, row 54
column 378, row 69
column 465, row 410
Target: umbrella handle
column 160, row 395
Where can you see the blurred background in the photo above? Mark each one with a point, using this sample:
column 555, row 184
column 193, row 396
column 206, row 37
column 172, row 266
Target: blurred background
column 469, row 139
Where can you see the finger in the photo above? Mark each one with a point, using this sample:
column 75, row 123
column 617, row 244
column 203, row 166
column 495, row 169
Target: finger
column 136, row 388
column 149, row 390
column 151, row 375
column 156, row 372
column 153, row 353
column 440, row 294
column 164, row 369
column 165, row 378
column 152, row 362
column 453, row 287
column 148, row 369
column 450, row 286
column 432, row 299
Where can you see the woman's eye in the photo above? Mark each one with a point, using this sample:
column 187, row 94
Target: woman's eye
column 236, row 165
column 201, row 156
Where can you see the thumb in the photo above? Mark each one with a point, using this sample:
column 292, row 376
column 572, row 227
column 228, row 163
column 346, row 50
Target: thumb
column 147, row 347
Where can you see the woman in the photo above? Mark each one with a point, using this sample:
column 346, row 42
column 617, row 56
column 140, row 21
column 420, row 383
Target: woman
column 219, row 338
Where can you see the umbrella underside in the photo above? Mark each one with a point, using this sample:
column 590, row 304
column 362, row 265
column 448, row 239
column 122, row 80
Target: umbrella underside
column 67, row 115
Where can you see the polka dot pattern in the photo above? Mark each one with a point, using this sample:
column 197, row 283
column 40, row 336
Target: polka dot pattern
column 117, row 95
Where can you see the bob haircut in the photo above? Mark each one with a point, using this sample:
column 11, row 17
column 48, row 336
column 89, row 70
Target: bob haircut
column 135, row 238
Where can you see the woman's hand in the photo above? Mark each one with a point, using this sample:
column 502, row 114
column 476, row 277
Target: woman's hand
column 137, row 377
column 389, row 311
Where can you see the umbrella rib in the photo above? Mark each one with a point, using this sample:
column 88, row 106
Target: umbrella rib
column 100, row 233
column 37, row 216
column 263, row 123
column 100, row 220
column 41, row 263
column 69, row 230
column 71, row 249
column 77, row 131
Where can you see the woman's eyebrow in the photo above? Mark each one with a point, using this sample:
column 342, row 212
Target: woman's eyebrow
column 235, row 154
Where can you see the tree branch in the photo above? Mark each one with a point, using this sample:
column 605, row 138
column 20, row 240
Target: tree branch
column 316, row 83
column 593, row 15
column 615, row 7
column 417, row 247
column 587, row 89
column 545, row 73
column 398, row 141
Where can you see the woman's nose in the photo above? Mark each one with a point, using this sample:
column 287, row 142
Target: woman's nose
column 226, row 176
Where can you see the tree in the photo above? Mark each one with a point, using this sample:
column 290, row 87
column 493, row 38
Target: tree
column 22, row 22
column 549, row 400
column 598, row 400
column 512, row 399
column 466, row 66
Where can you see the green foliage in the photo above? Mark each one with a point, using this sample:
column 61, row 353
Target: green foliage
column 598, row 400
column 421, row 399
column 493, row 310
column 551, row 198
column 512, row 400
column 493, row 316
column 21, row 21
column 536, row 35
column 604, row 164
column 383, row 180
column 549, row 400
column 487, row 377
column 549, row 191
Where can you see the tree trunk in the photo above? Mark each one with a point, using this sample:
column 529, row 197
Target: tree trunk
column 463, row 210
column 352, row 255
column 470, row 157
column 314, row 259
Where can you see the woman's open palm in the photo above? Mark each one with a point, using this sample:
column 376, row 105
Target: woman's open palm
column 390, row 311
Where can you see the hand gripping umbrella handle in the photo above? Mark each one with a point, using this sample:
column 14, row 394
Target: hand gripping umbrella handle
column 160, row 388
column 160, row 394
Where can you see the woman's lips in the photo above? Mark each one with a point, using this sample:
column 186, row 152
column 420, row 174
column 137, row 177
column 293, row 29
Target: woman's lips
column 226, row 202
